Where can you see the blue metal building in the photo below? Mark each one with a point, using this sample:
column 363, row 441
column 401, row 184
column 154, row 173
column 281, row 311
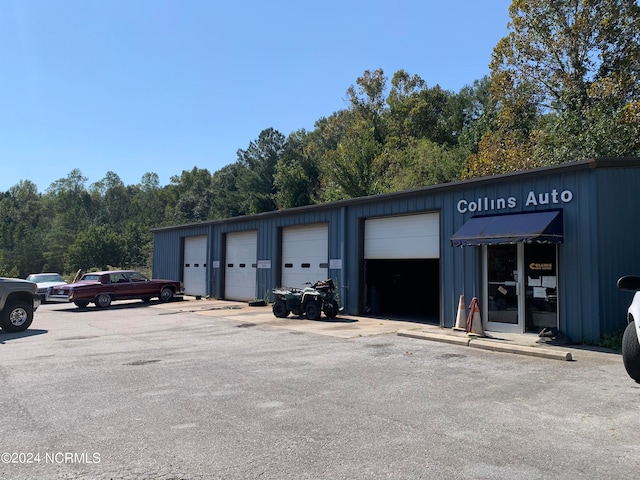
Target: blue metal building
column 541, row 248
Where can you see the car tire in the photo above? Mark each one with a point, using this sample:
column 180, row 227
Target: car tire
column 631, row 352
column 312, row 310
column 166, row 294
column 280, row 309
column 81, row 304
column 103, row 300
column 16, row 316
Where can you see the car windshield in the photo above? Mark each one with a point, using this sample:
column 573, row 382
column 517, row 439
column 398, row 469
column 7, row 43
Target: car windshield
column 45, row 277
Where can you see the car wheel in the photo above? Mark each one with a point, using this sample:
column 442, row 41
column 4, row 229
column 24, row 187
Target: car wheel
column 16, row 316
column 81, row 304
column 312, row 310
column 103, row 300
column 166, row 294
column 280, row 309
column 631, row 352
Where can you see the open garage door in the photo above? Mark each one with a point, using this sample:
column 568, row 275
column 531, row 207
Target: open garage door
column 195, row 265
column 240, row 266
column 305, row 251
column 402, row 266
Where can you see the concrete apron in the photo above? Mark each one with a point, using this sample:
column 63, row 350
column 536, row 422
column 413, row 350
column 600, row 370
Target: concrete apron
column 349, row 326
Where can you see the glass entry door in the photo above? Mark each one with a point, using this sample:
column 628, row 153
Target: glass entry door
column 502, row 292
column 520, row 287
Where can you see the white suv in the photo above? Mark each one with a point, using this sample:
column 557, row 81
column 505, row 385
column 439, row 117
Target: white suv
column 630, row 343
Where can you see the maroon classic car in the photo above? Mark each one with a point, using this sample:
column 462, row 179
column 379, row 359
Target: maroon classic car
column 102, row 288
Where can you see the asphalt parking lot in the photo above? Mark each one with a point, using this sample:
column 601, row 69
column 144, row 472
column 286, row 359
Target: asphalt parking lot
column 197, row 390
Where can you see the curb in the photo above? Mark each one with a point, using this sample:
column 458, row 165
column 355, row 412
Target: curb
column 435, row 337
column 485, row 344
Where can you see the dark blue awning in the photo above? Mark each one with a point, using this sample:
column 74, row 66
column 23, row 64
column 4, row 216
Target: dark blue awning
column 541, row 227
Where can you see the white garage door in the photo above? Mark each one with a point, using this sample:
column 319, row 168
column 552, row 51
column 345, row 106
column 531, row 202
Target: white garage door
column 195, row 265
column 305, row 252
column 408, row 236
column 240, row 267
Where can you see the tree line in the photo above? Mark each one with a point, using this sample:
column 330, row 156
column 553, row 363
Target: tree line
column 564, row 85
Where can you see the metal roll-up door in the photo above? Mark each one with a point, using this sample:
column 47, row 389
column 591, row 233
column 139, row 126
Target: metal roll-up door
column 305, row 252
column 402, row 266
column 240, row 266
column 401, row 237
column 195, row 265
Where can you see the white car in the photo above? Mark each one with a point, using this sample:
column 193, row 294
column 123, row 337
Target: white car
column 44, row 281
column 630, row 343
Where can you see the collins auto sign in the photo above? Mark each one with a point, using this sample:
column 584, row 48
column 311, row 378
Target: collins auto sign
column 534, row 199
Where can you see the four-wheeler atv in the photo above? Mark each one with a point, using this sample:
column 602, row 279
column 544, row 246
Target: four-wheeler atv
column 310, row 301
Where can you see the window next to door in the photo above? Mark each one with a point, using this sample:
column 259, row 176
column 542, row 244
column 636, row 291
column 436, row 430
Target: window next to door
column 541, row 291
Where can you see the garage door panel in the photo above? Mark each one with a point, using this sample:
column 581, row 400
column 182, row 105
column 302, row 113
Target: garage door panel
column 305, row 251
column 195, row 265
column 409, row 236
column 240, row 266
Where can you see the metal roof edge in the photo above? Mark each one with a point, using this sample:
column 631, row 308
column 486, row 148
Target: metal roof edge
column 586, row 164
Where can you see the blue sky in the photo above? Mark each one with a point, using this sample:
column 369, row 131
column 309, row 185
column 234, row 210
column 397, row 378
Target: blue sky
column 136, row 86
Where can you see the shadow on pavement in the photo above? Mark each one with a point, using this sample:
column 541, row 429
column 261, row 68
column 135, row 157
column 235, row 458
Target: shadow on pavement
column 5, row 336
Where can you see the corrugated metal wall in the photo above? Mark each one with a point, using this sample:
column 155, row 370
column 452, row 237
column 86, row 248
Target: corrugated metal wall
column 269, row 235
column 599, row 224
column 618, row 237
column 168, row 250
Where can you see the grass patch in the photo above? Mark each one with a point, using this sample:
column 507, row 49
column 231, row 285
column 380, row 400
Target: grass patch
column 612, row 340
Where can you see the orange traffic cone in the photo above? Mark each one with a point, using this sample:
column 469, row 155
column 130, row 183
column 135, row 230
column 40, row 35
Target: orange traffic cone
column 474, row 322
column 462, row 315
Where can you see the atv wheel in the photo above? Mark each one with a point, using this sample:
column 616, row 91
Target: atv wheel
column 631, row 352
column 312, row 310
column 331, row 309
column 280, row 309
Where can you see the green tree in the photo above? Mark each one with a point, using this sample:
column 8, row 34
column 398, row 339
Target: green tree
column 479, row 111
column 136, row 246
column 297, row 172
column 22, row 228
column 416, row 111
column 510, row 147
column 424, row 162
column 111, row 200
column 149, row 202
column 226, row 201
column 579, row 63
column 194, row 194
column 357, row 166
column 368, row 102
column 69, row 206
column 96, row 247
column 255, row 181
